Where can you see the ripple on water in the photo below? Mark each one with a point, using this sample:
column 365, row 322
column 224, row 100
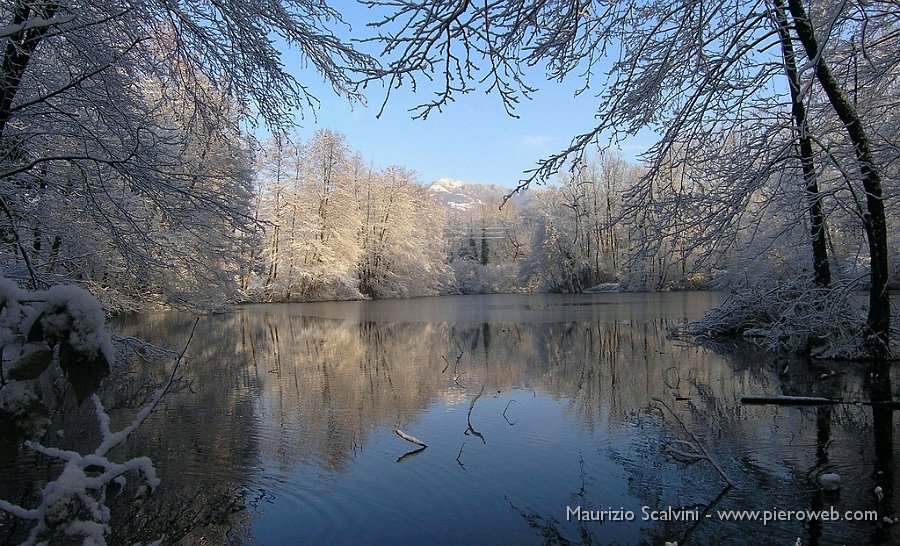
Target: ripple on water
column 307, row 504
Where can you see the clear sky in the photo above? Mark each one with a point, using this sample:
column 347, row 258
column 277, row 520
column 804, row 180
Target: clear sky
column 473, row 139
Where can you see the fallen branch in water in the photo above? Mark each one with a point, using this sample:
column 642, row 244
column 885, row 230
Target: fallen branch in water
column 504, row 412
column 458, row 455
column 458, row 358
column 701, row 452
column 409, row 438
column 686, row 537
column 813, row 401
column 469, row 417
column 410, row 454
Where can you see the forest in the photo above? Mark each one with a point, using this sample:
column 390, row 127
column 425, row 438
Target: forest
column 133, row 166
column 336, row 229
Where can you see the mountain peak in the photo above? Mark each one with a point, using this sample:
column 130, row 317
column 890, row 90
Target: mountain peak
column 446, row 183
column 462, row 196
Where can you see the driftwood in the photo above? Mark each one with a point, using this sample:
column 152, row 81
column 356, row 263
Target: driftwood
column 812, row 401
column 409, row 438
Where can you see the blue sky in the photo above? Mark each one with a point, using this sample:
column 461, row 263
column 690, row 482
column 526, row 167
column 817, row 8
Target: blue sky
column 473, row 139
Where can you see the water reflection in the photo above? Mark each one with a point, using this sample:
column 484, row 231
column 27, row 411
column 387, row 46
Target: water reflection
column 290, row 412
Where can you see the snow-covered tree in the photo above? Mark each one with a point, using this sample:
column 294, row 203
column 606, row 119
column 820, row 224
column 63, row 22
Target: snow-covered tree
column 403, row 246
column 122, row 164
column 487, row 245
column 551, row 264
column 700, row 74
column 337, row 229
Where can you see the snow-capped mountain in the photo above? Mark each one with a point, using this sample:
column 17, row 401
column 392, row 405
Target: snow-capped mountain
column 463, row 196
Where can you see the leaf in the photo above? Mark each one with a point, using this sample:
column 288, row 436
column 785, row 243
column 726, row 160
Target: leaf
column 84, row 371
column 36, row 332
column 31, row 364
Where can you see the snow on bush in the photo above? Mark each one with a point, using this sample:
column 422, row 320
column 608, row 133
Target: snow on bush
column 65, row 326
column 791, row 316
column 72, row 315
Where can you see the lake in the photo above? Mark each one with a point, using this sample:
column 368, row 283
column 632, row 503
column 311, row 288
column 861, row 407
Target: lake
column 539, row 416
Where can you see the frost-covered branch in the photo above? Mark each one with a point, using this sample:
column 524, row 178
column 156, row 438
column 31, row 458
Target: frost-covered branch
column 37, row 22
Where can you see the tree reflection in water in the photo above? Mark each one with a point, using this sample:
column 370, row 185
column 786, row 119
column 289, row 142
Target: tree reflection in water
column 291, row 409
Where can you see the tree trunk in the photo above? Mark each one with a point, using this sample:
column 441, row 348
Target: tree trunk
column 821, row 266
column 20, row 46
column 879, row 317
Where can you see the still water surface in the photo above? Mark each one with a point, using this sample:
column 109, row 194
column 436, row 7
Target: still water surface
column 285, row 428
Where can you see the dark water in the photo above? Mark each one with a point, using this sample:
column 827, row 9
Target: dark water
column 282, row 430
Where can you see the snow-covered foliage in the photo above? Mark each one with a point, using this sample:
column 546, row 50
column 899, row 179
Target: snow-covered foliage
column 793, row 317
column 302, row 201
column 403, row 244
column 65, row 327
column 577, row 241
column 494, row 278
column 71, row 315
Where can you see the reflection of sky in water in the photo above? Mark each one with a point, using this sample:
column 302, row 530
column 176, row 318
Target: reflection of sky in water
column 533, row 467
column 296, row 404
